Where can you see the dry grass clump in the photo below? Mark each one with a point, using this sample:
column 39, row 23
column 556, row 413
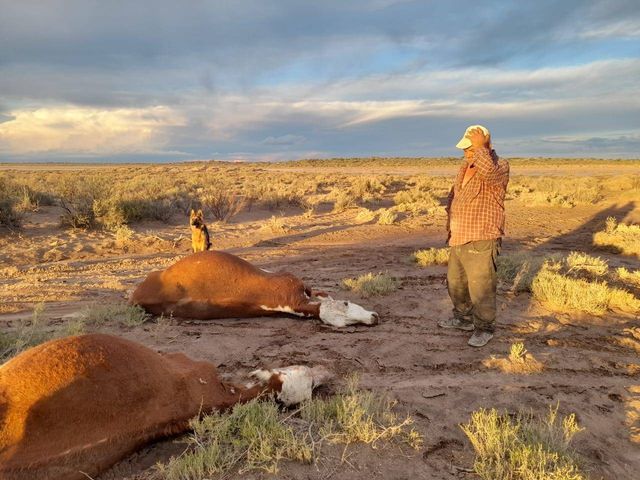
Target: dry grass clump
column 276, row 226
column 581, row 262
column 368, row 190
column 26, row 334
column 576, row 283
column 344, row 200
column 556, row 191
column 523, row 446
column 629, row 277
column 387, row 217
column 276, row 193
column 127, row 315
column 256, row 436
column 371, row 284
column 365, row 215
column 431, row 256
column 124, row 237
column 222, row 205
column 557, row 289
column 77, row 196
column 251, row 437
column 518, row 361
column 619, row 237
column 417, row 200
column 355, row 415
column 10, row 216
column 517, row 271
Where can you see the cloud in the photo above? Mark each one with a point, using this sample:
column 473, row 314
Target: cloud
column 73, row 130
column 248, row 78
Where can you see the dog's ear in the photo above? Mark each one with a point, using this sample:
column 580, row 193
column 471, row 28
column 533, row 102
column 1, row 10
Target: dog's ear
column 193, row 213
column 200, row 214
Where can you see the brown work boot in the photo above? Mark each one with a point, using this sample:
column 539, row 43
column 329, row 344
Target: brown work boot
column 455, row 322
column 480, row 338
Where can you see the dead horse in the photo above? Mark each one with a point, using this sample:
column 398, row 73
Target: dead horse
column 72, row 407
column 214, row 284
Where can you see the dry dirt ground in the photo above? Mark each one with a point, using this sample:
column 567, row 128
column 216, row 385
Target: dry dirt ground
column 591, row 364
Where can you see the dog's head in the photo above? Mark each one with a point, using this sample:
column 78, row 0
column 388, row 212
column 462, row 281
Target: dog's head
column 196, row 219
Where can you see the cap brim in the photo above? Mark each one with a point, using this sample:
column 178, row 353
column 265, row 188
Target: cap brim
column 464, row 143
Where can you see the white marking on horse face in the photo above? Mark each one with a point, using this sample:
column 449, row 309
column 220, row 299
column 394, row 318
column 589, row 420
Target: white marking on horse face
column 266, row 271
column 285, row 309
column 341, row 313
column 298, row 381
column 297, row 384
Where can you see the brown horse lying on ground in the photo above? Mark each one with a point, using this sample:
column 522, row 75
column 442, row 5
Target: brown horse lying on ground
column 75, row 406
column 215, row 284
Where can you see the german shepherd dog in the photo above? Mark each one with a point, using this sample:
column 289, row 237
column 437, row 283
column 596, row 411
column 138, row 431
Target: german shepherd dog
column 199, row 234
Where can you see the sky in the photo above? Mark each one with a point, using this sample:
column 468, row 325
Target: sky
column 258, row 80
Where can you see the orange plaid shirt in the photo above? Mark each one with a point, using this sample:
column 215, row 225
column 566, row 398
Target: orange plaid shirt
column 476, row 211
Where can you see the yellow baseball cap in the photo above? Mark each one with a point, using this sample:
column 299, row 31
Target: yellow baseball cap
column 464, row 141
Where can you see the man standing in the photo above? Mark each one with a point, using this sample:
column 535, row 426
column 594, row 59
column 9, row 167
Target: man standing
column 476, row 227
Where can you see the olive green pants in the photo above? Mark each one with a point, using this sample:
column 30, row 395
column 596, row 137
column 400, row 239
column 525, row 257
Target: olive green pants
column 472, row 279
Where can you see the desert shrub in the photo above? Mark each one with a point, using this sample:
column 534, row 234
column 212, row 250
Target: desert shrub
column 371, row 284
column 28, row 200
column 387, row 217
column 124, row 237
column 578, row 282
column 257, row 436
column 517, row 271
column 555, row 191
column 619, row 237
column 31, row 332
column 118, row 210
column 582, row 262
column 416, row 200
column 127, row 315
column 523, row 446
column 355, row 415
column 77, row 196
column 367, row 189
column 518, row 361
column 276, row 225
column 9, row 214
column 275, row 195
column 222, row 204
column 365, row 215
column 630, row 277
column 27, row 334
column 431, row 256
column 252, row 436
column 343, row 201
column 566, row 293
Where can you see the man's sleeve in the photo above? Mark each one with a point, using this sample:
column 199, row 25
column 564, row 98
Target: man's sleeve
column 448, row 210
column 487, row 166
column 449, row 200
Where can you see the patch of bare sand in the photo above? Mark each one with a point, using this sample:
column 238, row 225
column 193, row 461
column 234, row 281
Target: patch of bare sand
column 591, row 364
